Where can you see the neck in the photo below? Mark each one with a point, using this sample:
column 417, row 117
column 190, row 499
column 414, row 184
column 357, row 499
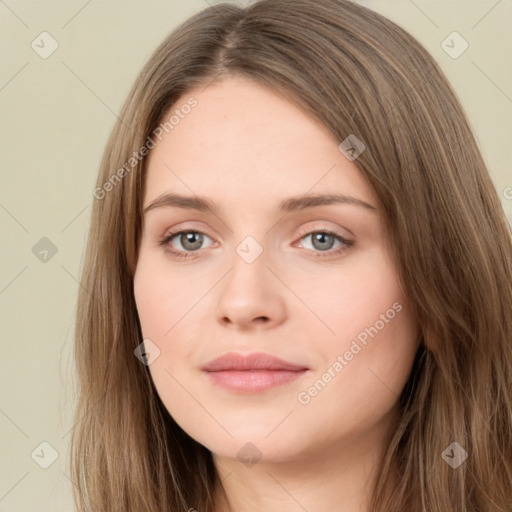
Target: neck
column 337, row 477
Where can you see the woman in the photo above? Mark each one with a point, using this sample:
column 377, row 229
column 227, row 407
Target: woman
column 339, row 332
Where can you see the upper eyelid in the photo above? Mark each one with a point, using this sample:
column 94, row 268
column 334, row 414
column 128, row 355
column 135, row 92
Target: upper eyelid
column 304, row 231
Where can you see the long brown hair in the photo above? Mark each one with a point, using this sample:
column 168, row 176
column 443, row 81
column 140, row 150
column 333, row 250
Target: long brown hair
column 360, row 74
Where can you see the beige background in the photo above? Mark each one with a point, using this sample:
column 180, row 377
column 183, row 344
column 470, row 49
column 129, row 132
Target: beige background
column 56, row 114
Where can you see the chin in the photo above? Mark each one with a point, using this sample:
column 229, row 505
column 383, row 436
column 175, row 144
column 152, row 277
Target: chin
column 251, row 444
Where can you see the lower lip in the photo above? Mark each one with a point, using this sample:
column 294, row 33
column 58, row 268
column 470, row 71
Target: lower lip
column 248, row 381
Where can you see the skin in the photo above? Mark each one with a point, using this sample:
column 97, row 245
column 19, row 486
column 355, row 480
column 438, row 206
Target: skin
column 246, row 149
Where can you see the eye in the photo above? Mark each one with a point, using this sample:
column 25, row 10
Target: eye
column 182, row 244
column 190, row 241
column 323, row 241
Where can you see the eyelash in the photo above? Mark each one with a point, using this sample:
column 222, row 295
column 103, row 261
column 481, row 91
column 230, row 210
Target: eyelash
column 182, row 255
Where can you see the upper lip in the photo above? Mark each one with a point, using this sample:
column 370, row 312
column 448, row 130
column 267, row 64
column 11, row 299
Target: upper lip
column 255, row 361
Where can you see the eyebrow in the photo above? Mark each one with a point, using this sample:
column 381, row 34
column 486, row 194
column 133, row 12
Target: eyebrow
column 289, row 205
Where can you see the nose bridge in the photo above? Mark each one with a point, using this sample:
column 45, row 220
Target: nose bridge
column 249, row 265
column 249, row 239
column 249, row 250
column 247, row 293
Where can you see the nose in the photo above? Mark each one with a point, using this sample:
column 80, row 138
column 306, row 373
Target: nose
column 250, row 296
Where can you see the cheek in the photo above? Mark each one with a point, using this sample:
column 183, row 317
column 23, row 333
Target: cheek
column 351, row 299
column 171, row 309
column 367, row 357
column 163, row 297
column 163, row 300
column 368, row 379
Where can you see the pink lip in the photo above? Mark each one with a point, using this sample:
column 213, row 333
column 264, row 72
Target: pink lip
column 252, row 373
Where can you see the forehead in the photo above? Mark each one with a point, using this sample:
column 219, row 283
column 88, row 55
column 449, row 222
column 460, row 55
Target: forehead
column 244, row 142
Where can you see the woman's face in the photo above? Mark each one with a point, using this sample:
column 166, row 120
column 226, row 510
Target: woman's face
column 256, row 273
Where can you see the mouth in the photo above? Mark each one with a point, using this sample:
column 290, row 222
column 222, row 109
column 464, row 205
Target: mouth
column 252, row 373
